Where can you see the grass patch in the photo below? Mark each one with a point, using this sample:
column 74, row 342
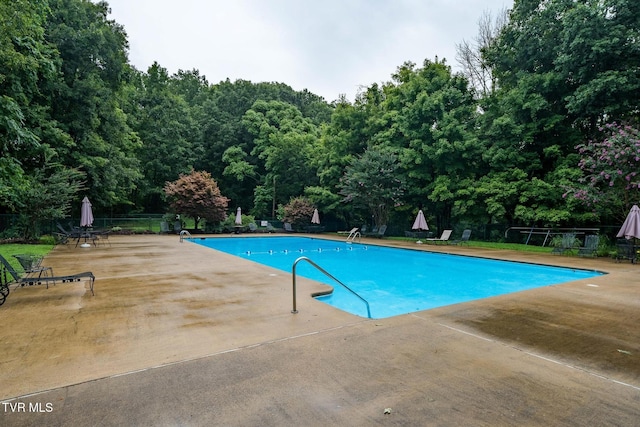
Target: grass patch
column 10, row 249
column 492, row 245
column 510, row 246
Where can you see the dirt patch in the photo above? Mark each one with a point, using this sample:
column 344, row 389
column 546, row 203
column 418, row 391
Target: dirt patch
column 585, row 334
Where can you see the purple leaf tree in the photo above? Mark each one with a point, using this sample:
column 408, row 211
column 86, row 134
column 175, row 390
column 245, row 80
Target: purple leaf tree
column 611, row 167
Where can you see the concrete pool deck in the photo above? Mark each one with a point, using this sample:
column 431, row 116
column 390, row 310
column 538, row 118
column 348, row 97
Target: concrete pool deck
column 179, row 334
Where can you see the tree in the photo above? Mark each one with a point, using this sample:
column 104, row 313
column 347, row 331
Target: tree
column 284, row 142
column 373, row 181
column 91, row 130
column 165, row 127
column 197, row 196
column 298, row 212
column 46, row 195
column 470, row 54
column 429, row 114
column 611, row 181
column 27, row 67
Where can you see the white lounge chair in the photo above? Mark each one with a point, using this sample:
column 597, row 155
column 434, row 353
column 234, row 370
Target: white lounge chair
column 444, row 238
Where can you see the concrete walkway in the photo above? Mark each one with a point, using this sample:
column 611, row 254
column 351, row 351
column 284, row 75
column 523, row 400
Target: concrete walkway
column 179, row 334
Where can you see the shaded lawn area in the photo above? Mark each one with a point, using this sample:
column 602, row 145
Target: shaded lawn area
column 493, row 245
column 10, row 249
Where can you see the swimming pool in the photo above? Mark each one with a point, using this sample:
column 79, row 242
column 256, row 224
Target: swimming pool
column 392, row 280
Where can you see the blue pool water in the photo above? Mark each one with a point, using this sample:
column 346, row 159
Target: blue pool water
column 394, row 281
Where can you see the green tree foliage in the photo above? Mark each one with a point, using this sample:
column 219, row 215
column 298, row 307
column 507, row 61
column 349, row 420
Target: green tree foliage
column 92, row 132
column 46, row 194
column 27, row 61
column 223, row 127
column 197, row 196
column 373, row 181
column 497, row 148
column 166, row 128
column 429, row 115
column 284, row 141
column 556, row 67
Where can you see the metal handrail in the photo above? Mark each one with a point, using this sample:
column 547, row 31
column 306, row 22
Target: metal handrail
column 353, row 236
column 322, row 270
column 184, row 234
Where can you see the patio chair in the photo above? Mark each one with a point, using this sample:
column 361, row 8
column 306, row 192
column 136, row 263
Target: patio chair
column 253, row 227
column 9, row 276
column 101, row 236
column 32, row 264
column 446, row 234
column 287, row 227
column 590, row 247
column 373, row 231
column 377, row 232
column 466, row 234
column 625, row 250
column 567, row 244
column 73, row 234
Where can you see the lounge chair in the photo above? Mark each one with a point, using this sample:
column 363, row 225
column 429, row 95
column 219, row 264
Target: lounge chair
column 64, row 235
column 350, row 232
column 567, row 244
column 590, row 246
column 9, row 276
column 625, row 250
column 287, row 227
column 379, row 232
column 466, row 234
column 32, row 265
column 446, row 234
column 253, row 227
column 271, row 228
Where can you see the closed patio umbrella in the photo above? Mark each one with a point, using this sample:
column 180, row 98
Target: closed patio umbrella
column 631, row 225
column 315, row 219
column 86, row 219
column 86, row 214
column 420, row 223
column 239, row 216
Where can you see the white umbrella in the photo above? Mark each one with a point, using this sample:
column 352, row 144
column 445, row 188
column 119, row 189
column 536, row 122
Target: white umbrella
column 420, row 223
column 315, row 219
column 239, row 216
column 631, row 225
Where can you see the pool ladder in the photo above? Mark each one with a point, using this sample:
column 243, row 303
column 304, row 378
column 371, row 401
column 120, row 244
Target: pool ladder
column 184, row 234
column 322, row 270
column 353, row 235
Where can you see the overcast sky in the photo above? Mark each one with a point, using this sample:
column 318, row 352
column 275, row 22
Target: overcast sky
column 329, row 47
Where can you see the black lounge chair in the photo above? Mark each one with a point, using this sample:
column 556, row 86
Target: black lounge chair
column 625, row 250
column 379, row 233
column 466, row 234
column 9, row 276
column 567, row 244
column 590, row 246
